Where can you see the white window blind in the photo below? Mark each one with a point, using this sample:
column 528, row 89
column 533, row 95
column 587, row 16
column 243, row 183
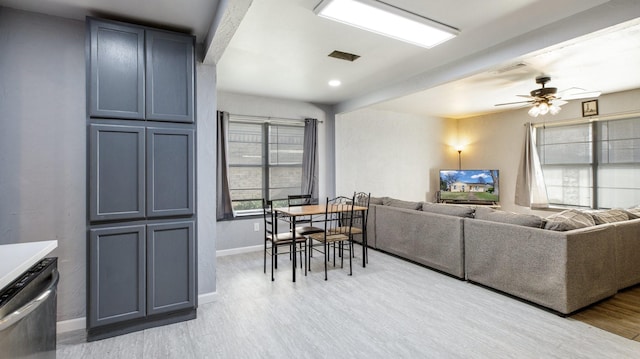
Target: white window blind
column 594, row 165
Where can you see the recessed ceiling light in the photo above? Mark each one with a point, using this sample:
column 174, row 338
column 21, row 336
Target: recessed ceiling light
column 335, row 83
column 387, row 20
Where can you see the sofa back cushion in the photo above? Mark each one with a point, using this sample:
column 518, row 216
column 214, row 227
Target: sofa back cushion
column 568, row 220
column 528, row 220
column 392, row 202
column 633, row 213
column 448, row 209
column 609, row 216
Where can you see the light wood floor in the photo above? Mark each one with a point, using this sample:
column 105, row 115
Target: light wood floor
column 619, row 315
column 391, row 309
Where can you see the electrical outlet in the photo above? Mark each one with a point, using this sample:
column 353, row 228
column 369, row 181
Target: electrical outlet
column 256, row 227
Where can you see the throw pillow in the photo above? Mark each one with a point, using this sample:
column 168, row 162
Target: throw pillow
column 448, row 209
column 633, row 213
column 519, row 219
column 568, row 220
column 609, row 216
column 400, row 203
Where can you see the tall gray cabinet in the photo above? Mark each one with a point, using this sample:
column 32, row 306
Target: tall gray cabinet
column 141, row 269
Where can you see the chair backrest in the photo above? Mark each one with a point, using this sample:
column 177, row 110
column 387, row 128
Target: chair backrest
column 295, row 200
column 339, row 214
column 270, row 220
column 361, row 199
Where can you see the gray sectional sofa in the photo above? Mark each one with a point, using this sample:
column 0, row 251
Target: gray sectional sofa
column 432, row 239
column 566, row 269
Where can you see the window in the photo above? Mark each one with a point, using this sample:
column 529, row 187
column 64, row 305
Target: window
column 265, row 161
column 594, row 165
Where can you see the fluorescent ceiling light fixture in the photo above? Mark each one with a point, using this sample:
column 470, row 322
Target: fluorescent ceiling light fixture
column 387, row 20
column 335, row 83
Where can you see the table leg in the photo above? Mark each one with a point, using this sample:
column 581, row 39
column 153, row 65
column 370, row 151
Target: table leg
column 364, row 248
column 293, row 233
column 364, row 241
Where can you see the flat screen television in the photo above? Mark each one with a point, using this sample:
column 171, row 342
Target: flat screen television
column 469, row 186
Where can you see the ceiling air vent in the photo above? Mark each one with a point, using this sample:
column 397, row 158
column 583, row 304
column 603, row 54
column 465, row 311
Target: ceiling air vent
column 344, row 55
column 511, row 67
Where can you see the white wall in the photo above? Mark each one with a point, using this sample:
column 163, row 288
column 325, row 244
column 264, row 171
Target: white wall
column 392, row 154
column 43, row 148
column 240, row 233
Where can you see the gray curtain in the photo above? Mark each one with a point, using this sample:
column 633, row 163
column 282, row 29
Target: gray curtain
column 531, row 190
column 223, row 194
column 310, row 159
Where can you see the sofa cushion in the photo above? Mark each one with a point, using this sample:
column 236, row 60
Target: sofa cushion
column 448, row 209
column 528, row 220
column 568, row 220
column 609, row 216
column 392, row 202
column 633, row 213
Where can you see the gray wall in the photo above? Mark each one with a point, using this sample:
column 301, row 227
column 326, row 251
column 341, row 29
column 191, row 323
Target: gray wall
column 206, row 176
column 43, row 148
column 43, row 143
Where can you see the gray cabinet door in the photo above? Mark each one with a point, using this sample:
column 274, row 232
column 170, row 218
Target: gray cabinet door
column 116, row 274
column 170, row 73
column 116, row 172
column 170, row 172
column 171, row 282
column 116, row 70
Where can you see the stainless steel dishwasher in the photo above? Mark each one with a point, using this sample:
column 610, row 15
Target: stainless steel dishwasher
column 28, row 313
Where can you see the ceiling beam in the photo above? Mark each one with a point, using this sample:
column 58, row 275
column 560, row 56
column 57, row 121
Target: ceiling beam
column 229, row 15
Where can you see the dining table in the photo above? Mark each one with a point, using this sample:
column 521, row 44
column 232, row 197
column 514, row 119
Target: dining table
column 293, row 212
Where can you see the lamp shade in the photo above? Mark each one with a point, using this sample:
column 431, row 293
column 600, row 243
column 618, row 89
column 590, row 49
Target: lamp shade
column 534, row 111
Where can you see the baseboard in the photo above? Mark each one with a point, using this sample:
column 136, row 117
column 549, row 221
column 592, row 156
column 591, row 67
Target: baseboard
column 71, row 325
column 207, row 298
column 228, row 252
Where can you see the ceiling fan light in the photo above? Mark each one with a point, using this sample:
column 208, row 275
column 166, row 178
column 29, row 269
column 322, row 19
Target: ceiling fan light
column 544, row 108
column 534, row 111
column 553, row 109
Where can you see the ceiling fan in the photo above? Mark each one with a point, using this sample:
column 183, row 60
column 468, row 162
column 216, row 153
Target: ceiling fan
column 547, row 99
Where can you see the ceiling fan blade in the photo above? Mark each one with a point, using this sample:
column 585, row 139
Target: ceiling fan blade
column 526, row 96
column 512, row 103
column 559, row 102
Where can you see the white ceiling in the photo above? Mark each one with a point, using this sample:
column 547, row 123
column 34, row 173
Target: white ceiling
column 280, row 49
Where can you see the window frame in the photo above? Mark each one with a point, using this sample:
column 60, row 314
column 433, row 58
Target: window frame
column 265, row 165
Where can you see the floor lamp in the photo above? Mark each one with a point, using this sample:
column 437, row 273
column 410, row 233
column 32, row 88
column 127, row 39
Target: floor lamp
column 459, row 149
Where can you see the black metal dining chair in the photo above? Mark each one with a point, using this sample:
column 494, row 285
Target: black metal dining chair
column 280, row 240
column 307, row 222
column 337, row 230
column 359, row 224
column 361, row 199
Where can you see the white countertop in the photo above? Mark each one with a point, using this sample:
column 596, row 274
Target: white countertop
column 17, row 258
